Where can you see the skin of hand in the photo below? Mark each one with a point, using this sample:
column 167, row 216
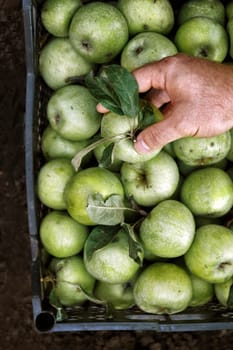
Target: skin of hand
column 195, row 96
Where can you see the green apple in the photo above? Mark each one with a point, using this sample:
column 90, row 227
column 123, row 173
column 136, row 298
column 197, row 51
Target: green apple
column 59, row 63
column 51, row 182
column 203, row 291
column 202, row 37
column 61, row 235
column 230, row 153
column 119, row 295
column 222, row 291
column 72, row 281
column 112, row 262
column 55, row 146
column 98, row 32
column 144, row 48
column 163, row 288
column 56, row 15
column 147, row 15
column 210, row 256
column 208, row 192
column 168, row 231
column 71, row 112
column 213, row 9
column 86, row 183
column 152, row 181
column 230, row 33
column 124, row 127
column 229, row 9
column 197, row 151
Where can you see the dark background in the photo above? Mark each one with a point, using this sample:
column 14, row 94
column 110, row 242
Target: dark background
column 16, row 326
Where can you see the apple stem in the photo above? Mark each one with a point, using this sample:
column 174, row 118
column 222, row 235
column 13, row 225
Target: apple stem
column 76, row 161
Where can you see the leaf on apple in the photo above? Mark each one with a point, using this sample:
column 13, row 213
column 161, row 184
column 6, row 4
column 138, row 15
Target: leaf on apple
column 116, row 89
column 90, row 296
column 99, row 237
column 135, row 248
column 107, row 156
column 77, row 159
column 147, row 117
column 106, row 212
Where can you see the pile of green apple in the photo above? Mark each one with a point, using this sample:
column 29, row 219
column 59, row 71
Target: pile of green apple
column 121, row 229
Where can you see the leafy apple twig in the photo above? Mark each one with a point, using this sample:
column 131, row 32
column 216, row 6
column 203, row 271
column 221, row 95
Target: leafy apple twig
column 77, row 159
column 117, row 90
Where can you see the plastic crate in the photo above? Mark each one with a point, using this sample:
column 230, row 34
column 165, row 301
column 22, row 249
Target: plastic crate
column 90, row 317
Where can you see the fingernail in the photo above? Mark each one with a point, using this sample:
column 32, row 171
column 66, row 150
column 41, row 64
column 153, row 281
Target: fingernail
column 142, row 147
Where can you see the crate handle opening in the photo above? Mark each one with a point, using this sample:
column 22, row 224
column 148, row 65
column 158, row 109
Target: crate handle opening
column 44, row 321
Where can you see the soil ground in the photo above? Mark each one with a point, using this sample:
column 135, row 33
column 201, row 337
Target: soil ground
column 16, row 326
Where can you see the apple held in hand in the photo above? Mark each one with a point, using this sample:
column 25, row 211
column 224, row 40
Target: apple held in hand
column 145, row 48
column 95, row 195
column 59, row 63
column 152, row 181
column 98, row 32
column 210, row 256
column 71, row 112
column 202, row 37
column 168, row 230
column 123, row 128
column 163, row 288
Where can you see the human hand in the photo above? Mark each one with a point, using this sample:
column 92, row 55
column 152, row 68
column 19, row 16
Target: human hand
column 194, row 94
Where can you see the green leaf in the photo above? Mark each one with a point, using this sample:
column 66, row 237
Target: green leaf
column 147, row 116
column 230, row 297
column 54, row 302
column 106, row 212
column 103, row 93
column 99, row 237
column 116, row 89
column 135, row 248
column 90, row 296
column 107, row 156
column 77, row 159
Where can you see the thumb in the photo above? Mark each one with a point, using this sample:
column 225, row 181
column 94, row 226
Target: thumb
column 156, row 136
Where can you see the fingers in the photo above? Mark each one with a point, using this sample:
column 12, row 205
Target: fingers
column 152, row 75
column 156, row 136
column 101, row 109
column 158, row 97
